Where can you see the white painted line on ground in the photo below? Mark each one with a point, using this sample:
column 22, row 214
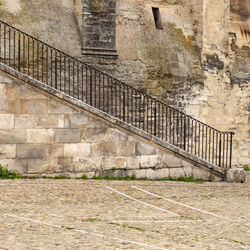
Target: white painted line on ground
column 85, row 232
column 154, row 221
column 179, row 203
column 142, row 202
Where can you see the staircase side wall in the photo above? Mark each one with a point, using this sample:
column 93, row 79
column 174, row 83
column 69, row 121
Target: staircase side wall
column 41, row 135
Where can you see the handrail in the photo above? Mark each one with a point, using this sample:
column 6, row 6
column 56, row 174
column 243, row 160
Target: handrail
column 55, row 68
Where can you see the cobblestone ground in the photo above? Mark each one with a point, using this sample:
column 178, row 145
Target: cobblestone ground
column 88, row 214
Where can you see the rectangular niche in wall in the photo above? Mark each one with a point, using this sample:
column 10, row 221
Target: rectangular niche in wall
column 157, row 18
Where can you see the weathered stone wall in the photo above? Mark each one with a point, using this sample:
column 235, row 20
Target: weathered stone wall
column 52, row 21
column 41, row 135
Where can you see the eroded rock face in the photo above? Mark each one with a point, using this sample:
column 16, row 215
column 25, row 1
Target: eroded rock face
column 236, row 175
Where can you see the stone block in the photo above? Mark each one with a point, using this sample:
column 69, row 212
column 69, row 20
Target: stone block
column 133, row 162
column 161, row 173
column 116, row 135
column 187, row 171
column 5, row 79
column 150, row 161
column 25, row 121
column 199, row 173
column 18, row 165
column 26, row 93
column 171, row 161
column 236, row 175
column 38, row 106
column 67, row 135
column 103, row 149
column 54, row 150
column 12, row 136
column 41, row 166
column 6, row 121
column 65, row 164
column 94, row 135
column 145, row 149
column 76, row 120
column 118, row 162
column 176, row 172
column 140, row 173
column 125, row 148
column 7, row 151
column 30, row 151
column 40, row 135
column 58, row 108
column 50, row 121
column 77, row 150
column 88, row 164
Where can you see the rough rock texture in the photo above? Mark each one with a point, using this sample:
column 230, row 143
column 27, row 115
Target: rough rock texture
column 40, row 135
column 236, row 175
column 199, row 60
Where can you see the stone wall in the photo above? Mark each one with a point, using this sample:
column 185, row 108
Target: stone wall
column 41, row 135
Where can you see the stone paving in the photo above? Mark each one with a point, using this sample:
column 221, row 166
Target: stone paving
column 88, row 214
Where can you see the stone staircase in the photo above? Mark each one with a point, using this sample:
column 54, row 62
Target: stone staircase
column 49, row 69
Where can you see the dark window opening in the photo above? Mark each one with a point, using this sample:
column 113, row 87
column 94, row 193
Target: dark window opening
column 157, row 18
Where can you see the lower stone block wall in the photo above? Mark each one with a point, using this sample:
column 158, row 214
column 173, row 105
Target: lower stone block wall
column 41, row 135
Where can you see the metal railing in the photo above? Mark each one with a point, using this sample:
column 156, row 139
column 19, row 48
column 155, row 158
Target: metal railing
column 53, row 67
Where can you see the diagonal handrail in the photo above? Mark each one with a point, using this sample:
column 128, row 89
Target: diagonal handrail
column 65, row 73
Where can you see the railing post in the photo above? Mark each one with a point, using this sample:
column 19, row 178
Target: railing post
column 90, row 87
column 56, row 72
column 184, row 139
column 19, row 53
column 124, row 108
column 155, row 115
column 231, row 149
column 220, row 151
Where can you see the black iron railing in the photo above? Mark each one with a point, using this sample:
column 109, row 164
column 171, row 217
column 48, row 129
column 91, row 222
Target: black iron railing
column 44, row 63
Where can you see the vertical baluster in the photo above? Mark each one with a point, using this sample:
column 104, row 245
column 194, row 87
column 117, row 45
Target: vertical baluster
column 202, row 142
column 162, row 122
column 170, row 125
column 56, row 71
column 195, row 139
column 42, row 62
column 206, row 142
column 19, row 52
column 86, row 77
column 82, row 82
column 9, row 47
column 78, row 82
column 191, row 133
column 37, row 59
column 231, row 149
column 47, row 65
column 213, row 147
column 199, row 144
column 185, row 133
column 69, row 71
column 14, row 45
column 24, row 61
column 60, row 71
column 111, row 92
column 166, row 138
column 216, row 153
column 1, row 41
column 124, row 103
column 28, row 56
column 227, row 150
column 103, row 92
column 147, row 112
column 220, row 150
column 151, row 116
column 223, row 150
column 91, row 83
column 51, row 69
column 4, row 44
column 155, row 118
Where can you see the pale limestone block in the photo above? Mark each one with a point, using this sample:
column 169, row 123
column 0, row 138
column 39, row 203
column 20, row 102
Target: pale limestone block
column 77, row 149
column 118, row 162
column 6, row 121
column 236, row 175
column 88, row 164
column 25, row 121
column 67, row 135
column 187, row 171
column 26, row 93
column 30, row 151
column 38, row 106
column 54, row 150
column 65, row 164
column 103, row 149
column 145, row 149
column 5, row 79
column 94, row 135
column 12, row 136
column 42, row 166
column 125, row 148
column 140, row 173
column 116, row 135
column 50, row 121
column 18, row 165
column 161, row 173
column 77, row 120
column 199, row 173
column 150, row 161
column 176, row 172
column 40, row 135
column 58, row 108
column 150, row 174
column 7, row 151
column 171, row 161
column 133, row 162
